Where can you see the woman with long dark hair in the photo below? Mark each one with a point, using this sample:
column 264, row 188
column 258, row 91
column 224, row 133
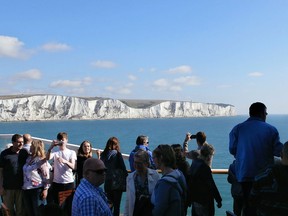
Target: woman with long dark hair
column 115, row 182
column 84, row 152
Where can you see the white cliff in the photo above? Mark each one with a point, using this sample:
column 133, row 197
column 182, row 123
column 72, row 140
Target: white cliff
column 55, row 107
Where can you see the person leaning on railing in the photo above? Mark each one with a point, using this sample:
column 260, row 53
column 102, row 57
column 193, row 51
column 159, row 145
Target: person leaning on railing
column 253, row 143
column 63, row 166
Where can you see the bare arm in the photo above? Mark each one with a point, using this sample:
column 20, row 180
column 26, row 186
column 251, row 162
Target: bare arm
column 70, row 163
column 48, row 154
column 185, row 143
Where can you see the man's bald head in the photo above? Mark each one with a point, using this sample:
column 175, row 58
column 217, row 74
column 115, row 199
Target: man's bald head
column 27, row 138
column 93, row 164
column 94, row 171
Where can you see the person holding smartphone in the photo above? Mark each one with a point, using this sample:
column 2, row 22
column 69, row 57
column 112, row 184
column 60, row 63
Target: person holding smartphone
column 63, row 166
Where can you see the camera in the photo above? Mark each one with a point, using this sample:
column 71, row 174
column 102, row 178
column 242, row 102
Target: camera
column 60, row 143
column 193, row 137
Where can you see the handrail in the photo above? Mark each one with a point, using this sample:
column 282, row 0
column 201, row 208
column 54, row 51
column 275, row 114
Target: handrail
column 75, row 148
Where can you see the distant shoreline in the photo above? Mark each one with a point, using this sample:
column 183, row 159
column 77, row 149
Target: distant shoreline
column 133, row 103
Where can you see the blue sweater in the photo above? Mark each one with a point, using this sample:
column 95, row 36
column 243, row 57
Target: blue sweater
column 254, row 143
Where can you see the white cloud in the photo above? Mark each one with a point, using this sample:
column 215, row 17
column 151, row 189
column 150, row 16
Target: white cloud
column 224, row 86
column 66, row 83
column 125, row 90
column 160, row 83
column 87, row 80
column 71, row 83
column 76, row 91
column 176, row 84
column 109, row 88
column 132, row 77
column 130, row 84
column 33, row 74
column 175, row 88
column 55, row 47
column 255, row 74
column 12, row 47
column 103, row 64
column 165, row 85
column 188, row 80
column 181, row 69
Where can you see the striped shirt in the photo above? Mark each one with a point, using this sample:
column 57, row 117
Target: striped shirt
column 90, row 200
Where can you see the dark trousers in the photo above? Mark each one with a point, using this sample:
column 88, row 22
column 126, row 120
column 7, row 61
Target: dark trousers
column 32, row 201
column 206, row 209
column 56, row 188
column 248, row 209
column 238, row 205
column 115, row 198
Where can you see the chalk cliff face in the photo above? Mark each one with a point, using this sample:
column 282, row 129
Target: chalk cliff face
column 55, row 107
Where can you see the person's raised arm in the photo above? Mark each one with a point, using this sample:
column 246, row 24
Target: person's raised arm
column 48, row 154
column 185, row 143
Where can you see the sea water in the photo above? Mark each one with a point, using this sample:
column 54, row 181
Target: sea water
column 160, row 131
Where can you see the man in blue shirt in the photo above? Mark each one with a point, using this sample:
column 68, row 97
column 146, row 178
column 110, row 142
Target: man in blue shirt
column 141, row 143
column 89, row 198
column 253, row 143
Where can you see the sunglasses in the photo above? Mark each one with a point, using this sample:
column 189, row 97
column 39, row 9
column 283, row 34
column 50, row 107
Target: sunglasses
column 100, row 171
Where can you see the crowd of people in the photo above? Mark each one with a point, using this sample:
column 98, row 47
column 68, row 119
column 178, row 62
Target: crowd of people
column 161, row 182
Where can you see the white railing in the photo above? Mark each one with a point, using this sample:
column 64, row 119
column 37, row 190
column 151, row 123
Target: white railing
column 76, row 147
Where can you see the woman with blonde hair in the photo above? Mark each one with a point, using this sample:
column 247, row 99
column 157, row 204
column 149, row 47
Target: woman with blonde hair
column 35, row 178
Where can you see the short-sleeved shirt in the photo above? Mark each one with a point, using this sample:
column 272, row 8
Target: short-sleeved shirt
column 12, row 172
column 63, row 174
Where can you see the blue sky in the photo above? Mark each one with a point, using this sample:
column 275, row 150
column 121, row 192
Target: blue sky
column 216, row 51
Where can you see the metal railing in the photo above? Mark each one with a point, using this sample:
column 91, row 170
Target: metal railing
column 75, row 148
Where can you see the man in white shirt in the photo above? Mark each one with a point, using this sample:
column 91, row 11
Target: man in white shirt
column 64, row 163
